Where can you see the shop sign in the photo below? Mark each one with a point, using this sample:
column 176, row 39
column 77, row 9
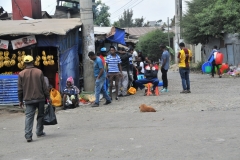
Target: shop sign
column 3, row 44
column 23, row 42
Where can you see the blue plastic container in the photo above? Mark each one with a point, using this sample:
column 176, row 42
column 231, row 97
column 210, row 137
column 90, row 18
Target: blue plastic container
column 8, row 76
column 207, row 67
column 160, row 83
column 8, row 89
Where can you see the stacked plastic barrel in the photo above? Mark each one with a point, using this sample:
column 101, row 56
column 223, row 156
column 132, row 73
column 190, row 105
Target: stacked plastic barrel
column 8, row 90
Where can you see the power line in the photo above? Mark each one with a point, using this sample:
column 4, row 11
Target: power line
column 130, row 6
column 126, row 7
column 122, row 7
column 136, row 4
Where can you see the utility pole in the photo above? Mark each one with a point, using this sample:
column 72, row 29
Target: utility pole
column 178, row 17
column 86, row 15
column 168, row 33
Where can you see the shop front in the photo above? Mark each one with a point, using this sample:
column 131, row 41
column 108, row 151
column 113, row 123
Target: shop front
column 52, row 42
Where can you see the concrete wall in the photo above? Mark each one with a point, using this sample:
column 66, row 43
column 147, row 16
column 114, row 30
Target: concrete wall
column 229, row 40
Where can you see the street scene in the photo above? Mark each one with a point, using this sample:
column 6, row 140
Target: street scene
column 201, row 125
column 119, row 79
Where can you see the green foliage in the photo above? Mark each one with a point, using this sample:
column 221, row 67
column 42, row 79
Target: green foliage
column 150, row 42
column 138, row 22
column 210, row 18
column 126, row 20
column 197, row 66
column 102, row 14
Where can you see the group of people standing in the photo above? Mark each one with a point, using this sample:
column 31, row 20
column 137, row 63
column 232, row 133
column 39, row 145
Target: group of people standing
column 123, row 67
column 120, row 66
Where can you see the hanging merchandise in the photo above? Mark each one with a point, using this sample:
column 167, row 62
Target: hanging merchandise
column 44, row 58
column 21, row 56
column 37, row 61
column 1, row 59
column 47, row 60
column 6, row 59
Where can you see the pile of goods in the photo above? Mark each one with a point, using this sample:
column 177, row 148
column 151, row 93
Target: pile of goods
column 5, row 59
column 47, row 60
column 234, row 71
column 86, row 98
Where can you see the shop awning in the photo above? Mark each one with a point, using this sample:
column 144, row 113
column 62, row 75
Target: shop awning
column 39, row 26
column 102, row 30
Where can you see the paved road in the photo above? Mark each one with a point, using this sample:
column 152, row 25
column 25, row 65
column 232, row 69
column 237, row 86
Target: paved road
column 202, row 125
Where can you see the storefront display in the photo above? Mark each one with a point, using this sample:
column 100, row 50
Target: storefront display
column 11, row 63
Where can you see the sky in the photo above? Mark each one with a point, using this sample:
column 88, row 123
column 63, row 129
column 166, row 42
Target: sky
column 150, row 10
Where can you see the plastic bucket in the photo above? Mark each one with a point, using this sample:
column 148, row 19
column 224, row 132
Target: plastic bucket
column 208, row 69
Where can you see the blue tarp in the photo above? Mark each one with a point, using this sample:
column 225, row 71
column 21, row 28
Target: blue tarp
column 69, row 66
column 69, row 59
column 118, row 37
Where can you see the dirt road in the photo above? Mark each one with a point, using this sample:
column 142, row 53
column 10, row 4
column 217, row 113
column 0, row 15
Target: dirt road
column 202, row 125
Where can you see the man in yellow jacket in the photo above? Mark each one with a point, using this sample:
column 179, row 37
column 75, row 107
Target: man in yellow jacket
column 184, row 58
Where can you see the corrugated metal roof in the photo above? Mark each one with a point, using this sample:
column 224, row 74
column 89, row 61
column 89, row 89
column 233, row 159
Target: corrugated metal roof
column 39, row 26
column 101, row 30
column 139, row 31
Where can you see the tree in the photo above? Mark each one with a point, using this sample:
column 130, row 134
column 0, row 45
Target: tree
column 101, row 14
column 150, row 42
column 126, row 20
column 138, row 22
column 210, row 18
column 146, row 24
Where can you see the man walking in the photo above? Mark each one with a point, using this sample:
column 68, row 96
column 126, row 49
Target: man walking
column 164, row 67
column 184, row 58
column 100, row 76
column 103, row 56
column 32, row 90
column 123, row 82
column 211, row 59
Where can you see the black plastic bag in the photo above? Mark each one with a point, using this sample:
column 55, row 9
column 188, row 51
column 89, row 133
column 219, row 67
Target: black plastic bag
column 49, row 116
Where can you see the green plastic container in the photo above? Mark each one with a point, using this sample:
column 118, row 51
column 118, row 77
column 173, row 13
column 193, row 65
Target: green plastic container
column 208, row 69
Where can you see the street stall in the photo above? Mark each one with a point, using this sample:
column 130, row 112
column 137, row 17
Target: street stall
column 53, row 43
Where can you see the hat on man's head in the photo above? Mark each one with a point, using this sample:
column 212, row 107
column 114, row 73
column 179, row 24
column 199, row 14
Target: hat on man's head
column 27, row 59
column 103, row 49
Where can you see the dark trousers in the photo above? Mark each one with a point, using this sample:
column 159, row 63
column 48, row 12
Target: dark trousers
column 135, row 78
column 164, row 77
column 141, row 83
column 30, row 112
column 213, row 68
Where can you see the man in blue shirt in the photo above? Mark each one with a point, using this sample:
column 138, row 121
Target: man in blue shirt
column 114, row 69
column 164, row 67
column 100, row 76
